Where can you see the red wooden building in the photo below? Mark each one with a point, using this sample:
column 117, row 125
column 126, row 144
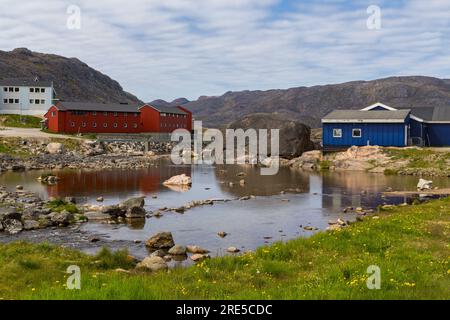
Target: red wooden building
column 80, row 117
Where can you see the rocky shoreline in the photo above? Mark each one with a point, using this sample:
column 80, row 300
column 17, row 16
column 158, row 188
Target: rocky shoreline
column 83, row 154
column 374, row 159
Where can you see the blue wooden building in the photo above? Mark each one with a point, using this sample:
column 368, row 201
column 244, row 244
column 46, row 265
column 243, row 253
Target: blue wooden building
column 383, row 125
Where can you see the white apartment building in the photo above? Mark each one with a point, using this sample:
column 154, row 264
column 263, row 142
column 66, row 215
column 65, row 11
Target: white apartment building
column 26, row 96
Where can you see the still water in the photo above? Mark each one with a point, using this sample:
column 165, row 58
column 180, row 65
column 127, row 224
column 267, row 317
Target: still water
column 310, row 199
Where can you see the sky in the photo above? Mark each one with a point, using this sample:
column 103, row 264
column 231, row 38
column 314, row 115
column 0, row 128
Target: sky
column 186, row 48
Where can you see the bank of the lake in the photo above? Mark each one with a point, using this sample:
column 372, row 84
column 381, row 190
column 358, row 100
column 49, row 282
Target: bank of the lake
column 408, row 243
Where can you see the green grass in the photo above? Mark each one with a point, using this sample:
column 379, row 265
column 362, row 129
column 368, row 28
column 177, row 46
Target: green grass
column 421, row 158
column 324, row 165
column 409, row 244
column 18, row 121
column 59, row 205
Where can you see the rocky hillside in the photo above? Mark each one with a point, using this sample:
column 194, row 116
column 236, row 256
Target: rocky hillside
column 309, row 104
column 73, row 79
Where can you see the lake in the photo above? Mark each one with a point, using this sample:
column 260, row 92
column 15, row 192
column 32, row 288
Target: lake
column 284, row 204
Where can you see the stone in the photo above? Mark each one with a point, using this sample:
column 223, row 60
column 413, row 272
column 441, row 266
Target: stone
column 196, row 249
column 233, row 249
column 424, row 184
column 120, row 270
column 222, row 234
column 177, row 250
column 12, row 226
column 242, row 182
column 160, row 240
column 181, row 179
column 31, row 225
column 199, row 257
column 100, row 199
column 158, row 253
column 19, row 187
column 309, row 228
column 135, row 212
column 9, row 213
column 153, row 264
column 132, row 202
column 61, row 218
column 294, row 136
column 244, row 198
column 96, row 216
column 55, row 148
column 113, row 210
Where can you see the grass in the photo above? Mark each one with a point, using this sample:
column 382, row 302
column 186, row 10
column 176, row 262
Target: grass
column 324, row 165
column 421, row 158
column 18, row 121
column 409, row 244
column 59, row 205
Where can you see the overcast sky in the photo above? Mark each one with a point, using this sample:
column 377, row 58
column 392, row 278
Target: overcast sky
column 186, row 48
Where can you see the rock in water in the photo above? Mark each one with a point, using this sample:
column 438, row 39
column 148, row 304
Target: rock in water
column 424, row 184
column 55, row 148
column 177, row 250
column 180, row 180
column 233, row 250
column 196, row 249
column 132, row 202
column 161, row 240
column 154, row 263
column 61, row 218
column 294, row 136
column 135, row 212
column 199, row 257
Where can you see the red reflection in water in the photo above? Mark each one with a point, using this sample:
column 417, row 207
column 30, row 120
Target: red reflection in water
column 92, row 183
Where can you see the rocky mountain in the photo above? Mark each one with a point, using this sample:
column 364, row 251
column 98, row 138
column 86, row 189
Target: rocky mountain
column 309, row 104
column 73, row 80
column 174, row 103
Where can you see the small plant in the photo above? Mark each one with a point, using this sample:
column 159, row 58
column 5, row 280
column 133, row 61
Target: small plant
column 325, row 165
column 118, row 259
column 59, row 205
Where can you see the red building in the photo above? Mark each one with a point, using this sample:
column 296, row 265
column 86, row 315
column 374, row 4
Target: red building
column 80, row 117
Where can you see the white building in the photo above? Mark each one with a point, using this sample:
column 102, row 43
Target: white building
column 26, row 96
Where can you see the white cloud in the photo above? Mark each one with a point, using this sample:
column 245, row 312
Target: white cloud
column 172, row 48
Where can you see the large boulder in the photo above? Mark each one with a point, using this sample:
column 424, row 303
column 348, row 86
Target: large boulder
column 55, row 148
column 294, row 135
column 132, row 202
column 154, row 263
column 161, row 240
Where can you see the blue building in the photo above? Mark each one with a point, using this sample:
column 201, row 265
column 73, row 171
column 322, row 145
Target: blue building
column 383, row 125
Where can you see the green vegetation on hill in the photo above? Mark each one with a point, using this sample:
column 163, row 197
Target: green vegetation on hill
column 409, row 244
column 18, row 121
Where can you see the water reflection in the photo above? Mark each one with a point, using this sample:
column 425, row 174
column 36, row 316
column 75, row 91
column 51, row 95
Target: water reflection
column 310, row 199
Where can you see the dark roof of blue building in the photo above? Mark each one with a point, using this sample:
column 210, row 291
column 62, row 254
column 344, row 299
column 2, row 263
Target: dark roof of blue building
column 373, row 116
column 440, row 113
